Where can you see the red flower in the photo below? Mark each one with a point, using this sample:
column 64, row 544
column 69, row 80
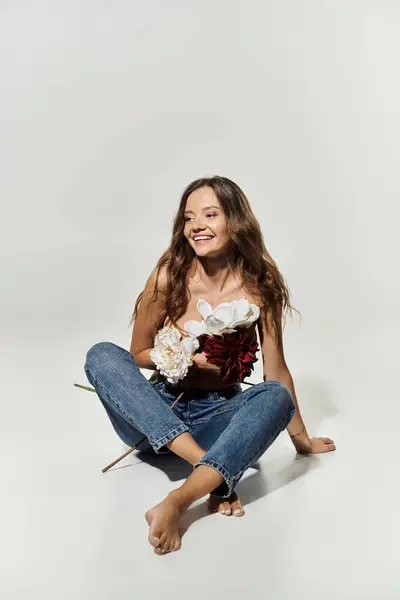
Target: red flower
column 234, row 352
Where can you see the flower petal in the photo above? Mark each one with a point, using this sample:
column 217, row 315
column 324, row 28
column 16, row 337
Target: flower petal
column 190, row 345
column 255, row 315
column 171, row 355
column 195, row 328
column 226, row 313
column 204, row 308
column 242, row 308
column 248, row 313
column 214, row 326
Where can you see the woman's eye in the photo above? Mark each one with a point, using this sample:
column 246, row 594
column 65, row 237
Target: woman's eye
column 208, row 215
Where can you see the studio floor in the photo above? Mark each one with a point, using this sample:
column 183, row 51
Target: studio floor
column 315, row 526
column 108, row 111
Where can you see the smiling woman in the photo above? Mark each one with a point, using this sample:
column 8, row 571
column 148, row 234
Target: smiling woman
column 232, row 262
column 205, row 225
column 217, row 268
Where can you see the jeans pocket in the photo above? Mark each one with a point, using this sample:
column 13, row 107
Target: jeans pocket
column 159, row 386
column 227, row 393
column 167, row 393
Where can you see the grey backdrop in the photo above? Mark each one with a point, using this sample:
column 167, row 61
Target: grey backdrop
column 108, row 110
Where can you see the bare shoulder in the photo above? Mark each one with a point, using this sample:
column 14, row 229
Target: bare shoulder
column 253, row 295
column 148, row 315
column 271, row 346
column 159, row 276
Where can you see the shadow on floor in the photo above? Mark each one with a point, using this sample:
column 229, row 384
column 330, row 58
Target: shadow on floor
column 258, row 481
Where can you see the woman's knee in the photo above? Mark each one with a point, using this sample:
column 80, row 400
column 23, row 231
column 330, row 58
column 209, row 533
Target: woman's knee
column 281, row 396
column 287, row 399
column 100, row 353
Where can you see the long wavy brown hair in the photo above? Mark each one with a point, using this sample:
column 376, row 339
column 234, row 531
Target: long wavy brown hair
column 257, row 270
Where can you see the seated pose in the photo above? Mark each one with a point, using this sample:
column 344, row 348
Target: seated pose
column 216, row 267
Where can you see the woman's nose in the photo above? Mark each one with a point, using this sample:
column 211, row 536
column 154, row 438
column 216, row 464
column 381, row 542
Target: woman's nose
column 198, row 228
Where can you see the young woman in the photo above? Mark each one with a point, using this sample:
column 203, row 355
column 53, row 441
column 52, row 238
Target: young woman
column 219, row 428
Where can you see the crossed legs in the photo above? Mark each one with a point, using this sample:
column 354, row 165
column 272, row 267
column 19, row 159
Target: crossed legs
column 260, row 414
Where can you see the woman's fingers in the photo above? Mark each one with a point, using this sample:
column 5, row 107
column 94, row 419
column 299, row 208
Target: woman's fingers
column 329, row 447
column 322, row 444
column 326, row 440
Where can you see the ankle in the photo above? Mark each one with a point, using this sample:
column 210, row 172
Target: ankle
column 180, row 501
column 197, row 457
column 186, row 447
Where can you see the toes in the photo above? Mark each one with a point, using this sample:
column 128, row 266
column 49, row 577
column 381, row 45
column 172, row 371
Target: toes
column 231, row 508
column 225, row 509
column 172, row 546
column 169, row 546
column 164, row 539
column 164, row 543
column 177, row 542
column 161, row 544
column 237, row 509
column 154, row 541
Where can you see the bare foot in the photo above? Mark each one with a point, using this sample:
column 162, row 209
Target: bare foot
column 163, row 521
column 226, row 506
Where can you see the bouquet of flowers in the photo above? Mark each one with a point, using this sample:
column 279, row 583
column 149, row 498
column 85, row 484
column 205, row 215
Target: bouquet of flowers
column 173, row 355
column 226, row 342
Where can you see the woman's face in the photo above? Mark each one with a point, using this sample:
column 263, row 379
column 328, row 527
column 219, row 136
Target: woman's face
column 204, row 217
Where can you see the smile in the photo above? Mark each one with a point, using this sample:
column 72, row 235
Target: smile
column 203, row 239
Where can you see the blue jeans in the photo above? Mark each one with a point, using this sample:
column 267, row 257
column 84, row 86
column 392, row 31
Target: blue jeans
column 234, row 426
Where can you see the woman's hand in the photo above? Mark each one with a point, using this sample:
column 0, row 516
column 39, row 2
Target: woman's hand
column 315, row 445
column 200, row 362
column 201, row 371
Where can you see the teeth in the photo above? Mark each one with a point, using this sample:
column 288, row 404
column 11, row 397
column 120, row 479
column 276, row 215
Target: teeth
column 203, row 237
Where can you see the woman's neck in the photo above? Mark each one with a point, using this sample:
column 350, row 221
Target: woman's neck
column 214, row 272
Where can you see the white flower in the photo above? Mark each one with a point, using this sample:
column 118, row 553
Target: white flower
column 173, row 355
column 224, row 318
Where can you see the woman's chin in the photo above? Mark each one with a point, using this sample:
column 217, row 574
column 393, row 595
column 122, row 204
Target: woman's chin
column 210, row 254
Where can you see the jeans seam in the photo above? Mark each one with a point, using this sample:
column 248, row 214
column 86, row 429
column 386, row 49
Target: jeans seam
column 250, row 460
column 156, row 445
column 221, row 470
column 169, row 436
column 232, row 480
column 113, row 399
column 225, row 406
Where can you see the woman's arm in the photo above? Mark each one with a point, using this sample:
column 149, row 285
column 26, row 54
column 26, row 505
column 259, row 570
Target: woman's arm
column 145, row 330
column 276, row 369
column 145, row 324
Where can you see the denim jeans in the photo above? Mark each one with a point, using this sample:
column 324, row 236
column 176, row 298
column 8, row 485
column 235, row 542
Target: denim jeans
column 234, row 426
